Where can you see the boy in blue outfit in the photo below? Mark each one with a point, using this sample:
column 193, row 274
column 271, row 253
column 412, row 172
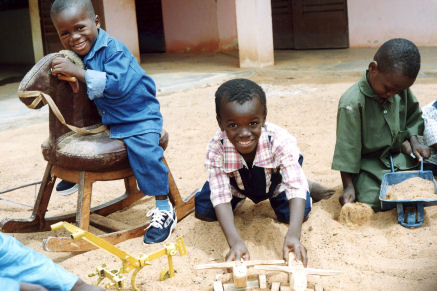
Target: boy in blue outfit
column 126, row 99
column 376, row 118
column 24, row 269
column 249, row 157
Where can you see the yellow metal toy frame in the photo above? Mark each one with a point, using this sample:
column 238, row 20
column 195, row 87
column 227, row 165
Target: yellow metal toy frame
column 129, row 262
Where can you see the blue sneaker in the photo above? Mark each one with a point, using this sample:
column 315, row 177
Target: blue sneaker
column 161, row 225
column 65, row 188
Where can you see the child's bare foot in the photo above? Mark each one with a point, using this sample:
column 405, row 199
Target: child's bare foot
column 319, row 192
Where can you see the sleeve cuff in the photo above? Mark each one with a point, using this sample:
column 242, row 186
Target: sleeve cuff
column 96, row 83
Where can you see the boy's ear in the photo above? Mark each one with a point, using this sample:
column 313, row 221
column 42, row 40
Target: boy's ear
column 97, row 21
column 219, row 121
column 373, row 66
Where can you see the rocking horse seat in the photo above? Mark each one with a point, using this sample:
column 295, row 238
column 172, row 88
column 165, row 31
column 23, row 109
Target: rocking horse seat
column 96, row 153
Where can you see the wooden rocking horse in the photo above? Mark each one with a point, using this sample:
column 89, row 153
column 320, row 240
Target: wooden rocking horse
column 79, row 149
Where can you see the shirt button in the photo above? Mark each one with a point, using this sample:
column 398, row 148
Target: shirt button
column 385, row 111
column 104, row 111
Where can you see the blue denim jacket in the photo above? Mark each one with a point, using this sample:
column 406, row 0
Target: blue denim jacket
column 124, row 95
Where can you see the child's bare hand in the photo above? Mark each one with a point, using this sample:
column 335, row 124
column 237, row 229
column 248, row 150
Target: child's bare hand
column 66, row 67
column 419, row 150
column 292, row 244
column 348, row 195
column 238, row 251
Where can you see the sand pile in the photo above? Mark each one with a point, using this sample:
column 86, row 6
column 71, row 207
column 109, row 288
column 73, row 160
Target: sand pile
column 356, row 214
column 412, row 189
column 380, row 255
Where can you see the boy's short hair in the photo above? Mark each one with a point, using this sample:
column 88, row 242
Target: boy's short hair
column 60, row 5
column 398, row 55
column 239, row 90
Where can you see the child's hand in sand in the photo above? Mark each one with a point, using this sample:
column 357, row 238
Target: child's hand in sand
column 348, row 195
column 238, row 251
column 292, row 244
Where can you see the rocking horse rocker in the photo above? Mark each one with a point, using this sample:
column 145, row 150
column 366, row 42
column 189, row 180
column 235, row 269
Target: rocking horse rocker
column 80, row 150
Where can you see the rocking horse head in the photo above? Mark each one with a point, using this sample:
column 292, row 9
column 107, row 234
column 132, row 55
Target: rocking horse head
column 75, row 108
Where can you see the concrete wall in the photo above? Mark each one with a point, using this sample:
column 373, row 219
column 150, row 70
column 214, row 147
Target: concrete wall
column 255, row 34
column 121, row 22
column 16, row 37
column 371, row 22
column 199, row 25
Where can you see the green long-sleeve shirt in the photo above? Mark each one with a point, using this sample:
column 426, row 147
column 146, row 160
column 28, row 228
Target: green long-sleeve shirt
column 369, row 128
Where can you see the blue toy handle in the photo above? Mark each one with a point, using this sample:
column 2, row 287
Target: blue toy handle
column 391, row 164
column 393, row 167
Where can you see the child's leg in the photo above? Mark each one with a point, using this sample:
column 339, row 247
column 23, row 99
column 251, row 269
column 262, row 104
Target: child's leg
column 145, row 157
column 203, row 208
column 22, row 264
column 281, row 206
column 318, row 191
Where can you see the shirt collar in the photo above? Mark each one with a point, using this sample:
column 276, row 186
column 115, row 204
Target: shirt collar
column 101, row 41
column 367, row 90
column 233, row 160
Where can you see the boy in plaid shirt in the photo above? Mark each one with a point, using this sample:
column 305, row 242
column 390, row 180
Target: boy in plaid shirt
column 249, row 157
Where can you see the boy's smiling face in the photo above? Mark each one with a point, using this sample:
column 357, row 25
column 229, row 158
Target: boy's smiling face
column 242, row 124
column 76, row 29
column 386, row 85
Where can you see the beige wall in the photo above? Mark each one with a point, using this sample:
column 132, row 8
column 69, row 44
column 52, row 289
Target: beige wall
column 121, row 22
column 371, row 22
column 199, row 25
column 255, row 34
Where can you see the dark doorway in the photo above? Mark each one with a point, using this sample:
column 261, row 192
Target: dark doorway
column 310, row 24
column 150, row 26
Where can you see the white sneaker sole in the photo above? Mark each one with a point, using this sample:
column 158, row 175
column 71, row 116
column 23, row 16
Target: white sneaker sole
column 68, row 191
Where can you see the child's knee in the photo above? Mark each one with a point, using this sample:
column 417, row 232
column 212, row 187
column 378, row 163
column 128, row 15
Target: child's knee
column 203, row 208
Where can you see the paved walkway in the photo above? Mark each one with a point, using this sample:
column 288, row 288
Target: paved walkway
column 177, row 72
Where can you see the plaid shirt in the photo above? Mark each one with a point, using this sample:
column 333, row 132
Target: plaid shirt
column 279, row 153
column 430, row 133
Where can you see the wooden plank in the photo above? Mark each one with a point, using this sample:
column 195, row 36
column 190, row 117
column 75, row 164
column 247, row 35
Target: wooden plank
column 218, row 286
column 251, row 285
column 262, row 281
column 308, row 271
column 108, row 223
column 298, row 276
column 67, row 244
column 225, row 265
column 318, row 287
column 275, row 286
column 239, row 272
column 285, row 288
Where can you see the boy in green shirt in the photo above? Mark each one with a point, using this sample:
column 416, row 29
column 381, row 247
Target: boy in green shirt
column 375, row 117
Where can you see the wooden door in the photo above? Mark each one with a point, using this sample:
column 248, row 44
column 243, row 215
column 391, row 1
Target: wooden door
column 310, row 24
column 320, row 24
column 282, row 23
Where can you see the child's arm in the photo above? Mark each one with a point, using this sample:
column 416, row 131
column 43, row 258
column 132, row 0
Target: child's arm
column 292, row 238
column 68, row 68
column 348, row 195
column 238, row 249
